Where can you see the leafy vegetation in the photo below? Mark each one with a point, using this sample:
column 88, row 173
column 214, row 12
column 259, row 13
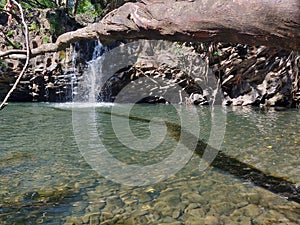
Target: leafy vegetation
column 3, row 66
column 45, row 40
column 33, row 26
column 13, row 45
column 10, row 33
column 91, row 7
column 88, row 8
column 55, row 24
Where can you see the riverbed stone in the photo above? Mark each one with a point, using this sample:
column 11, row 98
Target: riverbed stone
column 212, row 220
column 106, row 215
column 153, row 216
column 222, row 208
column 73, row 220
column 192, row 206
column 144, row 197
column 91, row 218
column 168, row 219
column 251, row 210
column 194, row 221
column 139, row 218
column 198, row 212
column 176, row 213
column 79, row 207
column 193, row 197
column 171, row 223
column 164, row 208
column 253, row 197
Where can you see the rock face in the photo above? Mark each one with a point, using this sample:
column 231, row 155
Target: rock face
column 49, row 77
column 248, row 75
column 161, row 84
column 255, row 75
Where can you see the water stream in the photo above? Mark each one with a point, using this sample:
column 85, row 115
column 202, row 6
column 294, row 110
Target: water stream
column 89, row 87
column 47, row 178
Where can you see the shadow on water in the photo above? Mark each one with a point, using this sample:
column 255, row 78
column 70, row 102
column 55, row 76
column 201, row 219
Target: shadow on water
column 279, row 185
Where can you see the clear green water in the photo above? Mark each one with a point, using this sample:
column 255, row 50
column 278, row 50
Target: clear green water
column 44, row 179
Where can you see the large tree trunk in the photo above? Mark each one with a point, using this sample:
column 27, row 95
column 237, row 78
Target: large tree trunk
column 259, row 22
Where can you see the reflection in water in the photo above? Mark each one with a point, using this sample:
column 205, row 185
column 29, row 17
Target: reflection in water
column 265, row 120
column 44, row 178
column 267, row 139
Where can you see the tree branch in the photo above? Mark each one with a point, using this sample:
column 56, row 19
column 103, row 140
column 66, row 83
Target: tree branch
column 13, row 51
column 259, row 22
column 4, row 103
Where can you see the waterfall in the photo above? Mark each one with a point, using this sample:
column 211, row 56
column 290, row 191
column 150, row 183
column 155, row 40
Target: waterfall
column 90, row 84
column 73, row 77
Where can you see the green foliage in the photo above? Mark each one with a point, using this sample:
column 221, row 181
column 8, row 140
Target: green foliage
column 90, row 9
column 39, row 4
column 18, row 45
column 86, row 7
column 13, row 45
column 33, row 26
column 216, row 54
column 3, row 66
column 62, row 55
column 46, row 39
column 29, row 15
column 10, row 33
column 55, row 24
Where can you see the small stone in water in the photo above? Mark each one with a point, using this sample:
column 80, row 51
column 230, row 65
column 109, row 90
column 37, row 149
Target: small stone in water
column 211, row 220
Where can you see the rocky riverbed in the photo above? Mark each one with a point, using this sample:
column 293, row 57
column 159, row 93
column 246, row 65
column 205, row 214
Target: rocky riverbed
column 187, row 198
column 186, row 201
column 46, row 180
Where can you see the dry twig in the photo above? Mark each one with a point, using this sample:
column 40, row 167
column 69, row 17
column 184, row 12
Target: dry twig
column 4, row 103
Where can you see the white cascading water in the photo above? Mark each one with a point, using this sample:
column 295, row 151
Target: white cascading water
column 91, row 83
column 73, row 73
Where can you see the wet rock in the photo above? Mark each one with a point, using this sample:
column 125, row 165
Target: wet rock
column 177, row 213
column 170, row 223
column 139, row 217
column 164, row 208
column 91, row 218
column 152, row 100
column 114, row 205
column 194, row 221
column 197, row 99
column 193, row 197
column 197, row 212
column 73, row 220
column 222, row 208
column 167, row 220
column 106, row 215
column 79, row 207
column 50, row 64
column 252, row 210
column 192, row 206
column 253, row 198
column 212, row 220
column 96, row 206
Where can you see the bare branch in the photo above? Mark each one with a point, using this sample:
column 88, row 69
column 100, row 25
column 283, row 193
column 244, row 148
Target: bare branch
column 4, row 103
column 13, row 51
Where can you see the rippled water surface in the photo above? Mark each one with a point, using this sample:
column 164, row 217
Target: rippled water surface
column 49, row 173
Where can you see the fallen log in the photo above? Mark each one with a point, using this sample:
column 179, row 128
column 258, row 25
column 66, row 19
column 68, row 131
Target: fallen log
column 259, row 22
